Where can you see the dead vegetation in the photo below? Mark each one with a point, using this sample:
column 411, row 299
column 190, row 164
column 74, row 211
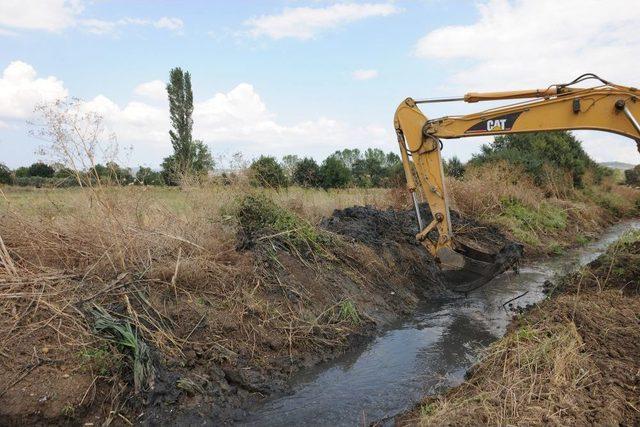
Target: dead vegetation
column 572, row 360
column 116, row 299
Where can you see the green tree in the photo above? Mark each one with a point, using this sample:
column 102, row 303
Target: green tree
column 334, row 173
column 632, row 176
column 6, row 177
column 147, row 176
column 118, row 174
column 349, row 156
column 374, row 168
column 267, row 172
column 289, row 163
column 22, row 172
column 41, row 169
column 535, row 149
column 189, row 156
column 307, row 173
column 180, row 113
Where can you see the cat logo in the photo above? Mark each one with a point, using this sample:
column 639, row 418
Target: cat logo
column 496, row 125
column 502, row 123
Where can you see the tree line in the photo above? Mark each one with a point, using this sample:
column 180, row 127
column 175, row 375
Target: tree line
column 346, row 168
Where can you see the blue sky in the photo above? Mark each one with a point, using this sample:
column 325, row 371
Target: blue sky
column 303, row 77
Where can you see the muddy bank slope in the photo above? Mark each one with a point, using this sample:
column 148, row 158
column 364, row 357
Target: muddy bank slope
column 574, row 359
column 116, row 322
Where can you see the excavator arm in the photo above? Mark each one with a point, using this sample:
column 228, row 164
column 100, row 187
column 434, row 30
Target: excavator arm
column 607, row 107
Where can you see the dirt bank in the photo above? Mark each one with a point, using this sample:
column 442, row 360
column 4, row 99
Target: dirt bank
column 119, row 320
column 574, row 359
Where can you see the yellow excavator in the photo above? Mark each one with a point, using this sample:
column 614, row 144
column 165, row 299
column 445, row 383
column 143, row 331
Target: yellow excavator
column 607, row 107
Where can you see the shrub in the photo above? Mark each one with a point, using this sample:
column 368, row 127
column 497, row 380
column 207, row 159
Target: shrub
column 260, row 217
column 536, row 149
column 147, row 176
column 6, row 177
column 307, row 173
column 453, row 167
column 41, row 169
column 632, row 176
column 334, row 173
column 267, row 172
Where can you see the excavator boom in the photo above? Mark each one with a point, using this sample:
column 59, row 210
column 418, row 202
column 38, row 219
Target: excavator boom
column 606, row 107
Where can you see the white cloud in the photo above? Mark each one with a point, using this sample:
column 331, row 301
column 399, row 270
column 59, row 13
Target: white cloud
column 307, row 22
column 154, row 90
column 172, row 24
column 237, row 120
column 365, row 74
column 48, row 15
column 523, row 44
column 21, row 90
column 99, row 26
column 538, row 42
column 59, row 15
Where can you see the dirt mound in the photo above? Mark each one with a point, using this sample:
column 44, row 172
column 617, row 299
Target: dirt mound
column 389, row 230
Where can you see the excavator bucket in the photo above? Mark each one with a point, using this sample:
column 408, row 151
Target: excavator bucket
column 470, row 266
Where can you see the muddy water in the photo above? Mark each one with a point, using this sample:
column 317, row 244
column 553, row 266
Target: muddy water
column 418, row 356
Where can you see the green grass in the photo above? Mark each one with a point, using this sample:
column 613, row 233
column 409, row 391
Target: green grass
column 68, row 410
column 100, row 359
column 428, row 409
column 527, row 223
column 261, row 218
column 129, row 343
column 556, row 248
column 348, row 312
column 581, row 239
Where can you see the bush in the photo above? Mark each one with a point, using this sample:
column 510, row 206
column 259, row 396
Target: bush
column 536, row 149
column 632, row 176
column 453, row 167
column 267, row 172
column 307, row 173
column 334, row 173
column 147, row 176
column 6, row 177
column 41, row 169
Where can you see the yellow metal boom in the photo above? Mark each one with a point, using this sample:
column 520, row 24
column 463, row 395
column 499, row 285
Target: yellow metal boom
column 607, row 107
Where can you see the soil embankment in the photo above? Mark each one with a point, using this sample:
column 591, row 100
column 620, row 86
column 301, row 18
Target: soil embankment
column 206, row 334
column 574, row 359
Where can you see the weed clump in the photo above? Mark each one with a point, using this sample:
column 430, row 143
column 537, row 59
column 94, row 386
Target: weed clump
column 128, row 342
column 349, row 312
column 260, row 219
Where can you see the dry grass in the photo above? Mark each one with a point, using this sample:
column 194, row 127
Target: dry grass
column 530, row 377
column 161, row 266
column 546, row 219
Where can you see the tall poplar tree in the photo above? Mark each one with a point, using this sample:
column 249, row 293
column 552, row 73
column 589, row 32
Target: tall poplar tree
column 189, row 156
column 180, row 111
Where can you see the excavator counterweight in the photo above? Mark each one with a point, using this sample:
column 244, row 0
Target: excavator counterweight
column 607, row 107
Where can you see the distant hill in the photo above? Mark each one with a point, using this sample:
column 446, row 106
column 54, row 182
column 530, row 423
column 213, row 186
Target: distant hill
column 618, row 165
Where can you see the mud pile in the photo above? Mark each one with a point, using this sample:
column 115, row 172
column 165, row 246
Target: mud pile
column 393, row 233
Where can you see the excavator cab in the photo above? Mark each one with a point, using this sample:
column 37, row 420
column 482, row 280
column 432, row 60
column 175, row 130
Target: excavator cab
column 606, row 107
